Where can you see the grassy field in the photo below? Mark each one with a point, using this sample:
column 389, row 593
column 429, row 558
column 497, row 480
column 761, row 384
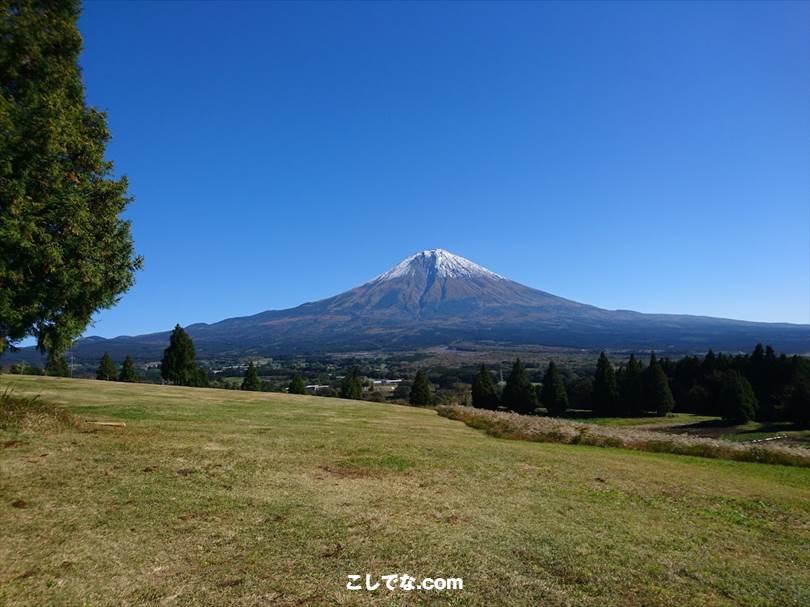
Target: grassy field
column 710, row 427
column 673, row 419
column 213, row 497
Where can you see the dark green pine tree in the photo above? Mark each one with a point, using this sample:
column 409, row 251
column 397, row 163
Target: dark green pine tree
column 57, row 365
column 178, row 364
column 631, row 388
column 709, row 364
column 657, row 394
column 350, row 386
column 553, row 395
column 106, row 369
column 605, row 391
column 484, row 395
column 128, row 372
column 201, row 378
column 420, row 390
column 297, row 385
column 251, row 379
column 798, row 403
column 737, row 400
column 65, row 251
column 518, row 394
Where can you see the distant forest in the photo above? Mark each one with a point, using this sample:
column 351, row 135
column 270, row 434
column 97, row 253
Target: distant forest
column 761, row 386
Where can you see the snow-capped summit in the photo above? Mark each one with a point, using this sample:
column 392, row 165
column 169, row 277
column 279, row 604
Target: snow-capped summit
column 440, row 262
column 435, row 298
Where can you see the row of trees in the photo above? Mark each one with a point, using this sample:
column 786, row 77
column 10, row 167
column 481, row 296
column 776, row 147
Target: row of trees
column 519, row 394
column 761, row 386
column 178, row 365
column 253, row 383
column 633, row 390
column 108, row 371
column 775, row 387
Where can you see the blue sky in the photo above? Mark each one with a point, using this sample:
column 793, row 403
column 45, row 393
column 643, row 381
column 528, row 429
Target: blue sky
column 641, row 155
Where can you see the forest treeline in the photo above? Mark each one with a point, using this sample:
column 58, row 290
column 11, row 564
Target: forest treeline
column 760, row 386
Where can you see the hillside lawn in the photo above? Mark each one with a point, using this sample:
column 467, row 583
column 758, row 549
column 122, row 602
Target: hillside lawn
column 707, row 426
column 216, row 497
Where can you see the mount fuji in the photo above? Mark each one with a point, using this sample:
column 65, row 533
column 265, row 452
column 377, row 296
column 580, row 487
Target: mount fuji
column 435, row 298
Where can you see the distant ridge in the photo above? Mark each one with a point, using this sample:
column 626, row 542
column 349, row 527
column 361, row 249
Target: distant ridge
column 436, row 298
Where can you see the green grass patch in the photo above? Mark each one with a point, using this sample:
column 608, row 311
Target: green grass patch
column 219, row 497
column 673, row 419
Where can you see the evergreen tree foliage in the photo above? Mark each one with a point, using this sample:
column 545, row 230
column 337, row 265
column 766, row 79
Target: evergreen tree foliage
column 518, row 393
column 798, row 403
column 605, row 390
column 709, row 364
column 553, row 395
column 297, row 385
column 57, row 365
column 420, row 390
column 351, row 387
column 631, row 388
column 65, row 251
column 737, row 399
column 402, row 391
column 200, row 378
column 178, row 364
column 658, row 395
column 128, row 372
column 107, row 369
column 580, row 392
column 251, row 379
column 484, row 395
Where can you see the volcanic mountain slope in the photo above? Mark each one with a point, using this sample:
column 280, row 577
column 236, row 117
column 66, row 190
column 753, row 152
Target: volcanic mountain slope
column 437, row 298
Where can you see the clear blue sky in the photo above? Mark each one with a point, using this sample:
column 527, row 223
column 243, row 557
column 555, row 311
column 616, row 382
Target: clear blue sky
column 639, row 155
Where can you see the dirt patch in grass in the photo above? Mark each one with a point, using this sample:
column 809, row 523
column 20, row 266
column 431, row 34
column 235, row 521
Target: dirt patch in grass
column 368, row 466
column 550, row 430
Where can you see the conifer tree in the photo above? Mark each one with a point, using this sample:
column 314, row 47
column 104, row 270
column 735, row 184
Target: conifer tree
column 251, row 379
column 631, row 388
column 128, row 372
column 420, row 390
column 106, row 369
column 709, row 364
column 737, row 400
column 798, row 403
column 65, row 251
column 605, row 390
column 484, row 395
column 350, row 386
column 178, row 364
column 518, row 393
column 657, row 394
column 297, row 385
column 201, row 378
column 553, row 395
column 57, row 365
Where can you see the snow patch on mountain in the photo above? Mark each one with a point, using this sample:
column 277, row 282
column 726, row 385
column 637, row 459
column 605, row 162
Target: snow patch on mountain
column 444, row 263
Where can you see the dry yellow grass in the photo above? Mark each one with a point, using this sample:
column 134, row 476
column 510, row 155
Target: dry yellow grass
column 211, row 497
column 554, row 430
